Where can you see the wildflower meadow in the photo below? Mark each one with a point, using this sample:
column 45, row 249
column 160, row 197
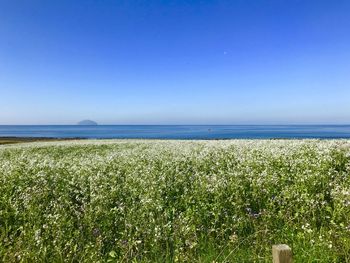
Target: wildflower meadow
column 174, row 201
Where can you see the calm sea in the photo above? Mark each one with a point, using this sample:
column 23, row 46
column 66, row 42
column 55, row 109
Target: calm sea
column 177, row 131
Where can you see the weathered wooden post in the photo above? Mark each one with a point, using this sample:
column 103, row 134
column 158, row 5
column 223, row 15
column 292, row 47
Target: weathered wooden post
column 281, row 254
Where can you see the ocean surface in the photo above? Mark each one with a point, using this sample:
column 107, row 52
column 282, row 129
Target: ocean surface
column 177, row 131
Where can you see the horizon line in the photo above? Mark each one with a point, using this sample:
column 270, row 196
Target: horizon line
column 205, row 124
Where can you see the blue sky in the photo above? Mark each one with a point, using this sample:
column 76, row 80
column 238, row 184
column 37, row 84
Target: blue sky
column 174, row 62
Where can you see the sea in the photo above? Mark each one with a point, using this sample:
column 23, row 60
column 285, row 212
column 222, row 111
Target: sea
column 194, row 132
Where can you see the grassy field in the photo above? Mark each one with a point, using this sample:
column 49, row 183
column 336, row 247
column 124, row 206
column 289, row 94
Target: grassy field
column 174, row 201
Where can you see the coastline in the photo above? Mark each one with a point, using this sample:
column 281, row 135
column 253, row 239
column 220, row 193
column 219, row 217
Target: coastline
column 14, row 140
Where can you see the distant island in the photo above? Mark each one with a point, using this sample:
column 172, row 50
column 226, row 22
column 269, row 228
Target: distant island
column 87, row 122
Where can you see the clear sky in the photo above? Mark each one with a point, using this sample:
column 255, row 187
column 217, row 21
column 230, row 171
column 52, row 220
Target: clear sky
column 174, row 62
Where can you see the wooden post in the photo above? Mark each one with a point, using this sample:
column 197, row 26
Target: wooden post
column 281, row 254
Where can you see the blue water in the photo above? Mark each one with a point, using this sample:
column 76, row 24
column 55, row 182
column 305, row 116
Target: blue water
column 178, row 131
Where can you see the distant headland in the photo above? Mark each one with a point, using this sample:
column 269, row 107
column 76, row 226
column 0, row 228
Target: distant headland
column 87, row 122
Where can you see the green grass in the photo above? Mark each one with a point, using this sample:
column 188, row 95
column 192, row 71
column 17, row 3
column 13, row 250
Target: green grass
column 174, row 201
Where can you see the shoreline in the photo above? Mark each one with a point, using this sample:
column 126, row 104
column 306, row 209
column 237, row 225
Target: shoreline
column 14, row 140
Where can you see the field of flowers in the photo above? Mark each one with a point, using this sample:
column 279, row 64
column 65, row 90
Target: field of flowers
column 174, row 201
